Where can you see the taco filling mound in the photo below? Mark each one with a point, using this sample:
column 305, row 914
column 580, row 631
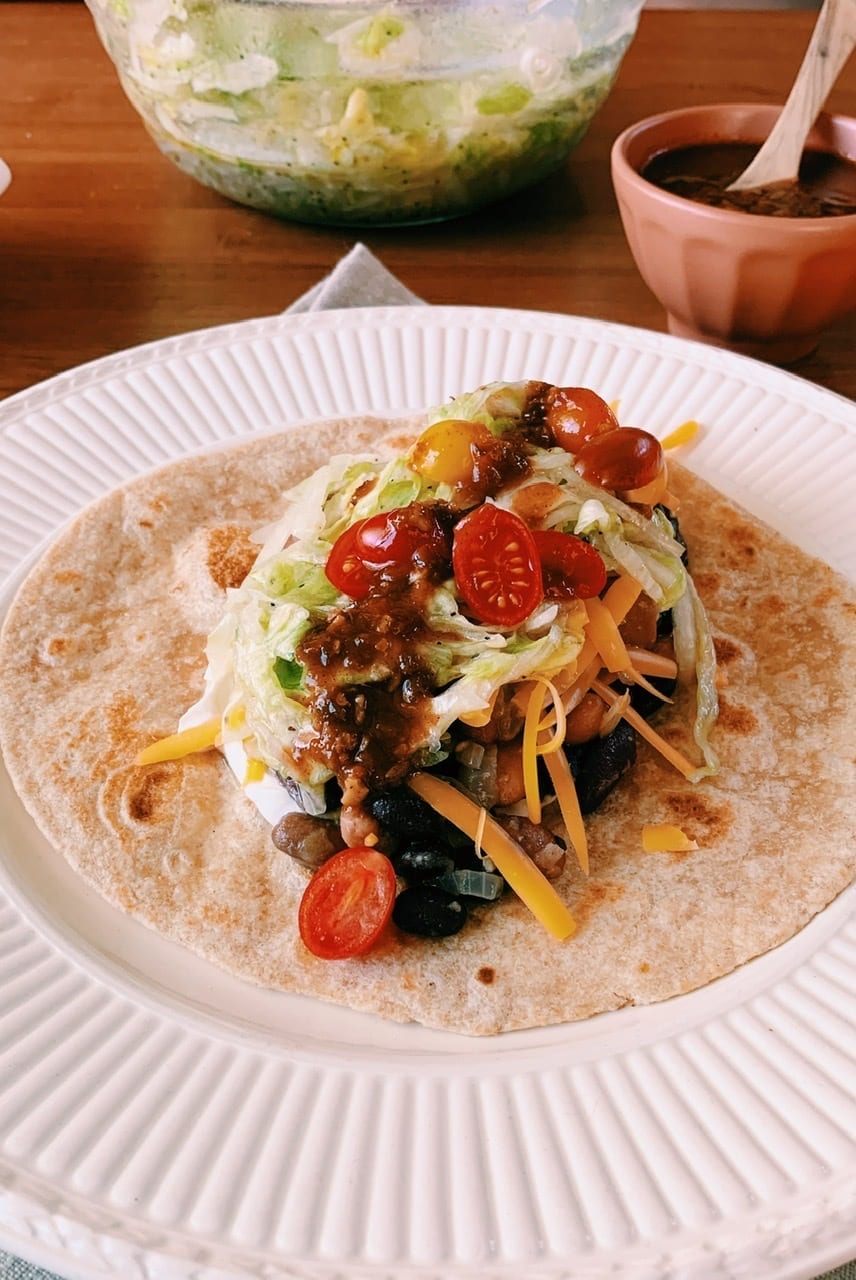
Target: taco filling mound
column 502, row 722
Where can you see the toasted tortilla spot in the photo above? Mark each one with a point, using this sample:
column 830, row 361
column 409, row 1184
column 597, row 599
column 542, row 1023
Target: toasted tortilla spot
column 122, row 717
column 737, row 719
column 707, row 583
column 155, row 792
column 726, row 650
column 486, row 974
column 699, row 811
column 231, row 554
column 742, row 539
column 146, row 524
column 595, row 894
column 772, row 604
column 644, row 967
column 68, row 577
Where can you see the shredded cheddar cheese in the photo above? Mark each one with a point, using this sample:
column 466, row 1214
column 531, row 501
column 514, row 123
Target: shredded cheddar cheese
column 569, row 806
column 604, row 634
column 478, row 719
column 621, row 596
column 201, row 737
column 662, row 837
column 530, row 750
column 646, row 663
column 479, row 836
column 651, row 493
column 681, row 435
column 255, row 771
column 650, row 735
column 533, row 888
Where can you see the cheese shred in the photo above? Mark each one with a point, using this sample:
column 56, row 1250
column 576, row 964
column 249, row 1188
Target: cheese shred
column 530, row 885
column 530, row 750
column 670, row 753
column 201, row 737
column 569, row 806
column 681, row 435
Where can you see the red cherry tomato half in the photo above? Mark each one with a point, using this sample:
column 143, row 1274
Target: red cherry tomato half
column 347, row 903
column 570, row 566
column 391, row 544
column 384, row 541
column 575, row 415
column 627, row 458
column 345, row 567
column 496, row 564
column 399, row 539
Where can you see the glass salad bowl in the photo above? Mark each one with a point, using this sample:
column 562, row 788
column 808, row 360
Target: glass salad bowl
column 361, row 113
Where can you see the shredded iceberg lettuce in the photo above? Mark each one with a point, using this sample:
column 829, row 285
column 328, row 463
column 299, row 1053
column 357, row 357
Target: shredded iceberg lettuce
column 254, row 654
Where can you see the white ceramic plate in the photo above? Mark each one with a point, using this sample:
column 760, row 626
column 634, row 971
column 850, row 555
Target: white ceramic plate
column 160, row 1119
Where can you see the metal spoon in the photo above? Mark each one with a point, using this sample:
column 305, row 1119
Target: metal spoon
column 830, row 46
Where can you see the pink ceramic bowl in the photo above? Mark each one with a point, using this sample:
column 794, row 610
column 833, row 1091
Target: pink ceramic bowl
column 764, row 286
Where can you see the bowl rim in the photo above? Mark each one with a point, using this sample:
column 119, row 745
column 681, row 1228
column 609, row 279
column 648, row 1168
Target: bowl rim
column 622, row 171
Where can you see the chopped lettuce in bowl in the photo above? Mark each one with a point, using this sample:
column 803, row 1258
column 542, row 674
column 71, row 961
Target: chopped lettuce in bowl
column 348, row 112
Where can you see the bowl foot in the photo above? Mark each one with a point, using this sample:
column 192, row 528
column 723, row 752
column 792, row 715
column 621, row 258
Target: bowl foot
column 774, row 350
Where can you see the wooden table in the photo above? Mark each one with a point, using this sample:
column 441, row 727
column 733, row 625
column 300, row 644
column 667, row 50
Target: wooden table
column 103, row 244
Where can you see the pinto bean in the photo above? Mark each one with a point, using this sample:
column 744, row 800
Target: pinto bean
column 544, row 848
column 639, row 627
column 510, row 786
column 585, row 720
column 309, row 840
column 358, row 826
column 505, row 722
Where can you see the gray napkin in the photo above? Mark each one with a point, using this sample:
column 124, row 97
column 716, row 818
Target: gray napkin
column 358, row 280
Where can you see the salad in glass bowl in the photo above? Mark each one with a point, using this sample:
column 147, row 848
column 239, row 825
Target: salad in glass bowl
column 353, row 113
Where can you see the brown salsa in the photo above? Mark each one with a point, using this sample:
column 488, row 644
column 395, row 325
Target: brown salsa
column 825, row 188
column 370, row 691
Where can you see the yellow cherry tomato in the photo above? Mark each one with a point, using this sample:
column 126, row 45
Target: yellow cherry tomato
column 444, row 453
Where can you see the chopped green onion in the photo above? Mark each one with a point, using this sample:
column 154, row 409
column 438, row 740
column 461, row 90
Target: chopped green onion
column 288, row 672
column 473, row 884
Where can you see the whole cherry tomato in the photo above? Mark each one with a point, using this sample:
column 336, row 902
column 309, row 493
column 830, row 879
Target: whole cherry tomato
column 347, row 903
column 444, row 453
column 626, row 458
column 496, row 564
column 570, row 566
column 575, row 415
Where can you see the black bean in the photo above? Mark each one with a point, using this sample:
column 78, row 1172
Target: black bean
column 404, row 814
column 665, row 624
column 466, row 858
column 599, row 764
column 429, row 912
column 419, row 862
column 647, row 704
column 676, row 530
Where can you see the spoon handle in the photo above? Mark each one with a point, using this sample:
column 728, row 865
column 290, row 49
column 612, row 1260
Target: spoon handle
column 830, row 46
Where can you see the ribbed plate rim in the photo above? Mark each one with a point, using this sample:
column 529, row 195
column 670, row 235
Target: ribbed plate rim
column 35, row 1209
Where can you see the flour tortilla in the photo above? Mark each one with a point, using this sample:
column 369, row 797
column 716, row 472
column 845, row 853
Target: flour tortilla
column 103, row 650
